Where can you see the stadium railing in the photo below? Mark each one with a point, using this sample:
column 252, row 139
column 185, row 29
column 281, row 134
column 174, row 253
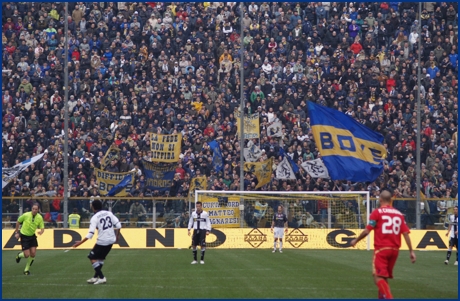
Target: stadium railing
column 171, row 212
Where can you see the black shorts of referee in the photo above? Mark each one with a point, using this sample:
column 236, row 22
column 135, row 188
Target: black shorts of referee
column 28, row 242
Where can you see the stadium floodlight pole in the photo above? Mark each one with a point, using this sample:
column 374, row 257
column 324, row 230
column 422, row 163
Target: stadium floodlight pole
column 419, row 125
column 241, row 107
column 66, row 116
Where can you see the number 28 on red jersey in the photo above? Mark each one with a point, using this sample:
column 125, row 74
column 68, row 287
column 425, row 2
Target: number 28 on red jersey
column 388, row 224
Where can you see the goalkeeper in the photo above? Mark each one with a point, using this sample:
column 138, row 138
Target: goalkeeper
column 279, row 223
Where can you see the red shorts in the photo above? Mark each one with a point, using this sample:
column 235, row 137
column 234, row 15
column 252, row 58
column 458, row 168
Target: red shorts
column 384, row 261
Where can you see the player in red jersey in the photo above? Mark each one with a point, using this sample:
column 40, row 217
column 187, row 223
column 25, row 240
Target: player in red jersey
column 388, row 225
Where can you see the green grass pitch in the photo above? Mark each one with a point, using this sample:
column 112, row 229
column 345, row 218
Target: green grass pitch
column 254, row 273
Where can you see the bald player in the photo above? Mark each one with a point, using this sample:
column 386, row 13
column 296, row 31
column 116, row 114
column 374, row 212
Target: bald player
column 388, row 224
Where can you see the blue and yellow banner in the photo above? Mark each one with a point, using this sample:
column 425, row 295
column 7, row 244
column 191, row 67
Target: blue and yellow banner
column 349, row 150
column 217, row 160
column 127, row 180
column 159, row 176
column 115, row 183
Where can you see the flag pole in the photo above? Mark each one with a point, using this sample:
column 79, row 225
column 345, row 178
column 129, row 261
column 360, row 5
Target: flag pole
column 419, row 130
column 241, row 99
column 241, row 109
column 66, row 116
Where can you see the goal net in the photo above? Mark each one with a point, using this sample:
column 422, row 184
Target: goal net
column 319, row 210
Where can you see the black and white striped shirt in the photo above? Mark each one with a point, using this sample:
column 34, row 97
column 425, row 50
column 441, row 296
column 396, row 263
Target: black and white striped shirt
column 453, row 220
column 199, row 221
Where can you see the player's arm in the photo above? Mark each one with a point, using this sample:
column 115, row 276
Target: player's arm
column 208, row 224
column 372, row 223
column 409, row 245
column 117, row 225
column 449, row 228
column 405, row 232
column 363, row 234
column 273, row 223
column 92, row 230
column 42, row 227
column 18, row 223
column 285, row 223
column 190, row 223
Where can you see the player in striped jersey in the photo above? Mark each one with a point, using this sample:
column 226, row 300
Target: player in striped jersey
column 105, row 222
column 452, row 232
column 201, row 224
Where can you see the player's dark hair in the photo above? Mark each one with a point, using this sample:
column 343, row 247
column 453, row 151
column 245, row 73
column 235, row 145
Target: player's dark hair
column 199, row 203
column 36, row 204
column 97, row 205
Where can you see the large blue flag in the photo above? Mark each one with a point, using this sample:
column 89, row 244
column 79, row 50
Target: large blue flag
column 217, row 160
column 349, row 150
column 295, row 167
column 128, row 179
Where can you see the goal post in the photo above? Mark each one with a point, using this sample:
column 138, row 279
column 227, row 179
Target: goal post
column 328, row 210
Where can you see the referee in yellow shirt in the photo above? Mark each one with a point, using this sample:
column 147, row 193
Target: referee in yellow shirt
column 30, row 221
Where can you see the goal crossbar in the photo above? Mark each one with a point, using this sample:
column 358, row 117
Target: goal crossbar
column 365, row 194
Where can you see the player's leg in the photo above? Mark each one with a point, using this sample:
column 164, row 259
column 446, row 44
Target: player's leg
column 23, row 254
column 25, row 246
column 280, row 237
column 384, row 288
column 449, row 251
column 30, row 259
column 95, row 256
column 195, row 242
column 274, row 242
column 456, row 248
column 202, row 245
column 104, row 251
column 382, row 270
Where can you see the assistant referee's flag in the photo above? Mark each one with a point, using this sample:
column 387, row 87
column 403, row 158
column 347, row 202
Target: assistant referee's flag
column 349, row 150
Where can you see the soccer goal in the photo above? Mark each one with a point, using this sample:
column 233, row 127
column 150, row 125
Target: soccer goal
column 304, row 209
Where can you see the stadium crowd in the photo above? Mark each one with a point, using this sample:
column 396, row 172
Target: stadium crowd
column 136, row 68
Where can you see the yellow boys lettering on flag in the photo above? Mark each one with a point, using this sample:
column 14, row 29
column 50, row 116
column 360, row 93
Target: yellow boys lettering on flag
column 262, row 170
column 165, row 148
column 251, row 125
column 197, row 183
column 349, row 150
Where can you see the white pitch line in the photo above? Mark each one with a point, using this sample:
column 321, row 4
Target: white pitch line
column 191, row 287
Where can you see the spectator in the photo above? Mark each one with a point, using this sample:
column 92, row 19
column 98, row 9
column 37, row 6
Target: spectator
column 176, row 67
